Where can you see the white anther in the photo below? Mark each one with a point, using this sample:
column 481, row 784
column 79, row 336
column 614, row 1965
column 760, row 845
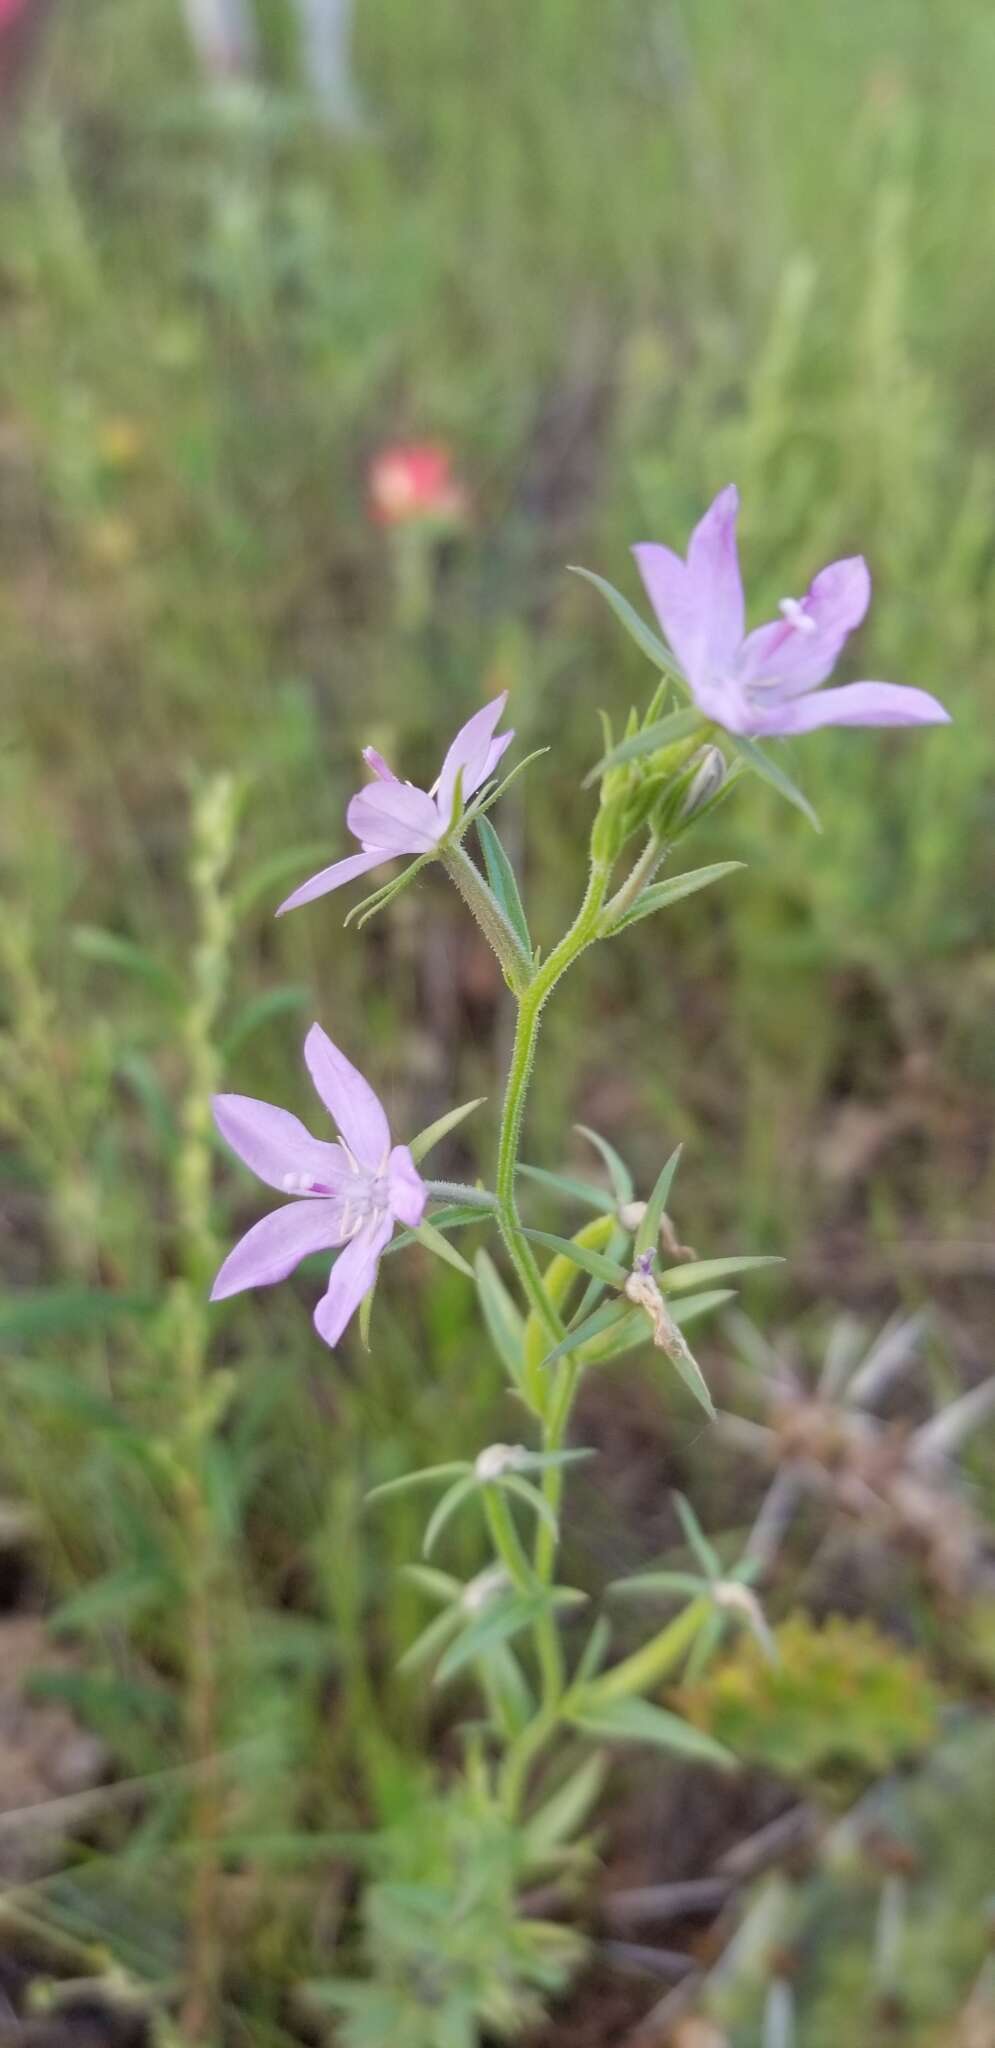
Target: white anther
column 297, row 1183
column 483, row 1589
column 797, row 616
column 498, row 1459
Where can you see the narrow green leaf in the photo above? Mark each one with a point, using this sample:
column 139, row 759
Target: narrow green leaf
column 430, row 1643
column 552, row 1461
column 504, row 882
column 28, row 1313
column 438, row 1585
column 532, row 1497
column 686, row 1365
column 118, row 1596
column 664, row 893
column 604, row 1318
column 695, row 1538
column 652, row 646
column 636, row 1720
column 440, row 1247
column 558, row 1819
column 110, row 949
column 429, row 1477
column 504, row 1320
column 594, row 1653
column 378, row 899
column 679, row 725
column 445, row 1509
column 434, row 1133
column 653, row 1584
column 575, row 1190
column 770, row 771
column 455, row 1218
column 580, row 1255
column 690, row 1310
column 683, row 1279
column 621, row 1178
column 649, row 1230
column 498, row 1623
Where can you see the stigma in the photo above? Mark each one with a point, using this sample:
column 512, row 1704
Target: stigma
column 797, row 616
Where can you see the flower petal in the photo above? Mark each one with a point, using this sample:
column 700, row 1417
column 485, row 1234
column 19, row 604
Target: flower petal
column 394, row 817
column 351, row 1277
column 714, row 579
column 408, row 1193
column 796, row 654
column 278, row 1243
column 333, row 878
column 275, row 1144
column 665, row 580
column 349, row 1099
column 854, row 704
column 471, row 750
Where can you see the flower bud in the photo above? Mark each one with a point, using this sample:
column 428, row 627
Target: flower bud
column 707, row 780
column 498, row 1459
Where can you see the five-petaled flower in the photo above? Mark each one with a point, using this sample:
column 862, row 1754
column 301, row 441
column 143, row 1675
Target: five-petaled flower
column 413, row 481
column 348, row 1193
column 390, row 817
column 760, row 684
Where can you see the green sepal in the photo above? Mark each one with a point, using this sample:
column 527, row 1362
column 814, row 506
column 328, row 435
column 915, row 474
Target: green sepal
column 503, row 881
column 637, row 1720
column 435, row 1132
column 650, row 643
column 769, row 771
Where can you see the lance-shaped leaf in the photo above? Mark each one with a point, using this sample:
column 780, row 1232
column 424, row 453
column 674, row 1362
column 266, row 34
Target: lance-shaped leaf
column 607, row 1317
column 575, row 1190
column 430, row 1643
column 636, row 1720
column 594, row 1653
column 621, row 1178
column 678, row 725
column 648, row 1232
column 652, row 646
column 510, row 1483
column 457, row 1217
column 440, row 1586
column 434, row 1133
column 661, row 894
column 684, row 1279
column 771, row 771
column 499, row 1622
column 504, row 1320
column 430, row 1476
column 503, row 880
column 616, row 1248
column 446, row 1508
column 581, row 1255
column 558, row 1819
column 695, row 1538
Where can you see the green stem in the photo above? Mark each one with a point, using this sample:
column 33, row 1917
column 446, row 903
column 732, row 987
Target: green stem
column 531, row 1004
column 506, row 1540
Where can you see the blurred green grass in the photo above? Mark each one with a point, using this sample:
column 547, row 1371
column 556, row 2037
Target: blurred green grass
column 615, row 255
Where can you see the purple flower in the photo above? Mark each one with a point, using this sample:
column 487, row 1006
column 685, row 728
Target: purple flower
column 760, row 684
column 350, row 1193
column 390, row 817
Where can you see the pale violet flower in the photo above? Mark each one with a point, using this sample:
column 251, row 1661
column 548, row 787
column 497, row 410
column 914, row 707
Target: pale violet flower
column 763, row 684
column 391, row 818
column 349, row 1193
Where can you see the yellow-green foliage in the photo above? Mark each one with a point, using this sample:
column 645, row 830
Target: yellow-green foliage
column 840, row 1704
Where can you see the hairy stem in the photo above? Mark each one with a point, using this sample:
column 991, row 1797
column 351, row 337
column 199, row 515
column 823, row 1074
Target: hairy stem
column 531, row 1004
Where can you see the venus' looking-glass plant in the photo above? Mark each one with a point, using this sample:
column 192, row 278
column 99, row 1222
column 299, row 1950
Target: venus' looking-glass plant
column 618, row 1282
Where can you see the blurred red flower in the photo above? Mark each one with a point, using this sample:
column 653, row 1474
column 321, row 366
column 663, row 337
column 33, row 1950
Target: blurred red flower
column 411, row 481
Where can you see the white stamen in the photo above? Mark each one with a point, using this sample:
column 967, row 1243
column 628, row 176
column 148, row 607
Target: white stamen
column 797, row 616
